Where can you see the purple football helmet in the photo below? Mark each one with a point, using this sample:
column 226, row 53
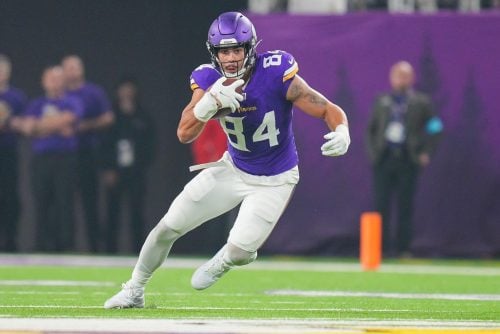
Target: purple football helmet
column 230, row 30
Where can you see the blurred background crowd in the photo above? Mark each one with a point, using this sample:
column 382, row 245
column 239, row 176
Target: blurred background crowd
column 91, row 93
column 78, row 140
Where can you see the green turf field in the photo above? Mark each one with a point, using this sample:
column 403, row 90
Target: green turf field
column 448, row 291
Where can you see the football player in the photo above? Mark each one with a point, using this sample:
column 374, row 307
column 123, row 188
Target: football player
column 259, row 170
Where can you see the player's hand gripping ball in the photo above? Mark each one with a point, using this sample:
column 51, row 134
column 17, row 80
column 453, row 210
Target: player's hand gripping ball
column 224, row 111
column 219, row 100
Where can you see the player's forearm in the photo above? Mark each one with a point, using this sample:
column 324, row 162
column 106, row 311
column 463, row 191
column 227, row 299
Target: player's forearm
column 189, row 126
column 315, row 104
column 52, row 125
column 98, row 123
column 86, row 125
column 334, row 116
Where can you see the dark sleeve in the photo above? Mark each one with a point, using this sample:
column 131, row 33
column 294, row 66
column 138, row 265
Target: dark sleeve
column 149, row 141
column 371, row 131
column 107, row 149
column 102, row 98
column 76, row 107
column 21, row 103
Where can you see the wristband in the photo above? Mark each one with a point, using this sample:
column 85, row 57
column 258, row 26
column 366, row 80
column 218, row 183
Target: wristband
column 342, row 128
column 205, row 108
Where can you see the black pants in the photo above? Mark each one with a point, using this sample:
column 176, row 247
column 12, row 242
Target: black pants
column 54, row 181
column 88, row 190
column 131, row 187
column 9, row 199
column 395, row 178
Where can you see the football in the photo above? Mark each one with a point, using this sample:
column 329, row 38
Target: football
column 229, row 81
column 222, row 112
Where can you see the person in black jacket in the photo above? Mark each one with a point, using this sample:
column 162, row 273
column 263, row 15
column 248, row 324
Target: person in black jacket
column 127, row 152
column 12, row 104
column 402, row 133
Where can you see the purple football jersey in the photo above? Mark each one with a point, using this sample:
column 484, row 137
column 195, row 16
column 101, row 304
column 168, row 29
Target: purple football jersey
column 260, row 135
column 95, row 103
column 45, row 107
column 12, row 103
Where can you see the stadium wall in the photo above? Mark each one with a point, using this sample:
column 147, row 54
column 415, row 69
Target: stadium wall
column 457, row 60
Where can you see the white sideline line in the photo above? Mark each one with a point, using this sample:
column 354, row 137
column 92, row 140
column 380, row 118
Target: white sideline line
column 390, row 295
column 282, row 292
column 54, row 283
column 29, row 293
column 231, row 326
column 384, row 268
column 265, row 264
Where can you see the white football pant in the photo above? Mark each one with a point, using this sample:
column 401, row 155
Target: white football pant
column 217, row 190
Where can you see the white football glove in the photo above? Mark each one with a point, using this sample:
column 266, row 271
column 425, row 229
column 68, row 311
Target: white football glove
column 337, row 142
column 218, row 97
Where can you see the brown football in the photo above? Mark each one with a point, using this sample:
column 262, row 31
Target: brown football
column 222, row 112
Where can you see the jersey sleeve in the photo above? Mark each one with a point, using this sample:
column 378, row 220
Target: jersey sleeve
column 32, row 107
column 283, row 65
column 204, row 76
column 20, row 102
column 291, row 68
column 289, row 72
column 102, row 99
column 76, row 107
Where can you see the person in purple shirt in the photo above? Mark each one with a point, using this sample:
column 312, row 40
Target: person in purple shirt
column 51, row 122
column 259, row 171
column 97, row 116
column 12, row 103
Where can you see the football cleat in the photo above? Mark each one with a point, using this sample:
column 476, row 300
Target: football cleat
column 210, row 272
column 129, row 297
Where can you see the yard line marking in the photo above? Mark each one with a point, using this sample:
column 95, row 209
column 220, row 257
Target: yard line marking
column 390, row 295
column 54, row 283
column 210, row 308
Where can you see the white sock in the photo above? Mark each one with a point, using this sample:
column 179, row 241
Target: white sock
column 153, row 253
column 238, row 257
column 225, row 257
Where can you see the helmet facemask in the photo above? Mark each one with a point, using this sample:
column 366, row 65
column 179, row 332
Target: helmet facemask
column 248, row 60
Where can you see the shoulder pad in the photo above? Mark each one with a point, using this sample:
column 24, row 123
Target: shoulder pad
column 282, row 62
column 204, row 76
